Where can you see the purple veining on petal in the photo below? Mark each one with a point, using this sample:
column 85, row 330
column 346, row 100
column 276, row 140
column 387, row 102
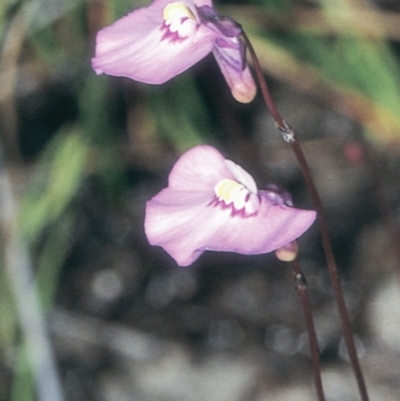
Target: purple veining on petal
column 230, row 38
column 171, row 36
column 228, row 54
column 215, row 202
column 227, row 26
column 179, row 20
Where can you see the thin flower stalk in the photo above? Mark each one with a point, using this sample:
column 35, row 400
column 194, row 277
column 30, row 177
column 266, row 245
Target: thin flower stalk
column 301, row 286
column 291, row 137
column 288, row 253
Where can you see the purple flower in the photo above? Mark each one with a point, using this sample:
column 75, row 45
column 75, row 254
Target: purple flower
column 155, row 43
column 213, row 204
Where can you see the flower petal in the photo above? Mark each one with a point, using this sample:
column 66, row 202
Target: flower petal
column 242, row 176
column 273, row 227
column 199, row 169
column 201, row 3
column 240, row 80
column 169, row 220
column 187, row 219
column 136, row 46
column 186, row 225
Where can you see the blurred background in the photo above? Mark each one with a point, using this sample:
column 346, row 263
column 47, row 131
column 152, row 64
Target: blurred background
column 89, row 311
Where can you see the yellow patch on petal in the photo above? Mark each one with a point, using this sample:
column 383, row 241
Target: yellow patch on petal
column 176, row 11
column 240, row 197
column 229, row 190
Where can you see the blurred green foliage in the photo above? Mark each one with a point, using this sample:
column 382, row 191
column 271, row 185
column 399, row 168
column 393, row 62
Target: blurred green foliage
column 344, row 44
column 102, row 142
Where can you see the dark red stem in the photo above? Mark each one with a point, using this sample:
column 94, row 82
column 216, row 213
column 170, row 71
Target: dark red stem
column 290, row 136
column 301, row 286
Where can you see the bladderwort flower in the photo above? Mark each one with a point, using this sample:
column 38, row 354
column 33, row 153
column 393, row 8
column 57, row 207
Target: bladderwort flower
column 213, row 204
column 155, row 43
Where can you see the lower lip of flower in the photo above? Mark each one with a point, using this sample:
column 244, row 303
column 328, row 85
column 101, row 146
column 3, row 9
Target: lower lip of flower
column 179, row 20
column 230, row 193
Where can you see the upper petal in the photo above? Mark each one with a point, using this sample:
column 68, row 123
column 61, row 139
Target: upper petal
column 242, row 176
column 199, row 169
column 136, row 46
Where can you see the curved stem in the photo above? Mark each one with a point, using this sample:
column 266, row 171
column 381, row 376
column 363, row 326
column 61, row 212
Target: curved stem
column 301, row 286
column 290, row 136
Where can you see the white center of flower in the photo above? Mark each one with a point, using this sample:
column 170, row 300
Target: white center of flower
column 180, row 19
column 233, row 193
